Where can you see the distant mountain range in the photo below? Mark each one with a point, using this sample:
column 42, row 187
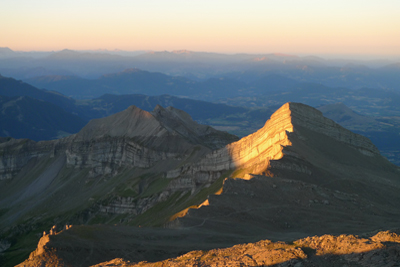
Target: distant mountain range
column 272, row 89
column 201, row 66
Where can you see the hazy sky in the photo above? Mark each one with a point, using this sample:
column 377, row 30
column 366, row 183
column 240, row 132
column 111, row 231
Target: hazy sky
column 252, row 26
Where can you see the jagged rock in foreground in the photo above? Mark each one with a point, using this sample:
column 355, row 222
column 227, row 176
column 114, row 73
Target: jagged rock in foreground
column 382, row 249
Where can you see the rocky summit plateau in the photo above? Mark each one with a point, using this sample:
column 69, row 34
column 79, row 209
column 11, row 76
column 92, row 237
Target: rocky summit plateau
column 156, row 188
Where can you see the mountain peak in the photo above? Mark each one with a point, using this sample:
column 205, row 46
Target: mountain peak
column 310, row 157
column 158, row 109
column 6, row 50
column 66, row 53
column 128, row 123
column 182, row 51
column 130, row 70
column 161, row 122
column 293, row 127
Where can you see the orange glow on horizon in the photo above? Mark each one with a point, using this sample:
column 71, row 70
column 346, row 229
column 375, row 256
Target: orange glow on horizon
column 309, row 27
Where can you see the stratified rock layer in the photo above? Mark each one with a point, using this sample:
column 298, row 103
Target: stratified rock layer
column 260, row 152
column 303, row 151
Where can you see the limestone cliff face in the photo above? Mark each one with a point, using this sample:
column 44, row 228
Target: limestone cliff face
column 16, row 153
column 261, row 151
column 257, row 148
column 137, row 138
column 132, row 138
column 105, row 155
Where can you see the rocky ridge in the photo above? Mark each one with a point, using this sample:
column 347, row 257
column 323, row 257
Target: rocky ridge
column 299, row 159
column 381, row 249
column 16, row 153
column 371, row 249
column 260, row 151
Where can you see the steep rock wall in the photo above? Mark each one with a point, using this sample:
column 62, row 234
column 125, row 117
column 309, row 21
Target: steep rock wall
column 262, row 150
column 16, row 153
column 251, row 152
column 105, row 155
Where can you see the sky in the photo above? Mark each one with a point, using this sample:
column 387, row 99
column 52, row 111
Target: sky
column 345, row 27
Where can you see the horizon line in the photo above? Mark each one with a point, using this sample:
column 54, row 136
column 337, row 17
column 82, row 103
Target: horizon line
column 355, row 56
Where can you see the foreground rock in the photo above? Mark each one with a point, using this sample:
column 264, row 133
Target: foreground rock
column 379, row 249
column 382, row 249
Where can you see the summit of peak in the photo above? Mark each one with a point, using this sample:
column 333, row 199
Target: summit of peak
column 298, row 115
column 299, row 109
column 182, row 51
column 158, row 108
column 160, row 123
column 131, row 70
column 130, row 122
column 291, row 130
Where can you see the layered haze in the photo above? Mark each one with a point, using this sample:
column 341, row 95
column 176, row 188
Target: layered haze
column 358, row 28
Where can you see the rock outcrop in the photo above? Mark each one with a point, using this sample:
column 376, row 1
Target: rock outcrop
column 381, row 249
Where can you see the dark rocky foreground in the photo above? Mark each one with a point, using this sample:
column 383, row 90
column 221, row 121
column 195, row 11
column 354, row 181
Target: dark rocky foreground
column 382, row 249
column 379, row 249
